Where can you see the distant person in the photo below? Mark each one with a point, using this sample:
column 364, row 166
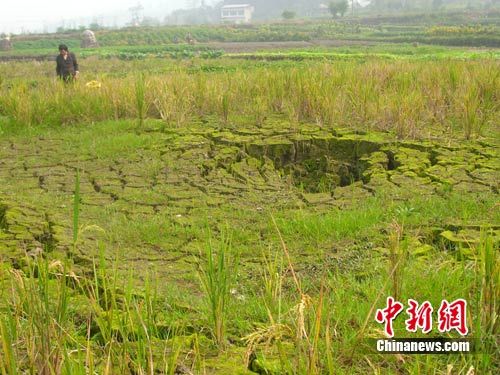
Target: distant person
column 67, row 66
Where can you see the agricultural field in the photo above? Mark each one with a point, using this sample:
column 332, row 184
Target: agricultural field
column 236, row 209
column 459, row 29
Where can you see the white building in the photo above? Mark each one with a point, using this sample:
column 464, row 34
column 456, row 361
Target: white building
column 236, row 13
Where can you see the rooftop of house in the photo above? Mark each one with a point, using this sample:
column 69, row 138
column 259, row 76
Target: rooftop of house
column 236, row 6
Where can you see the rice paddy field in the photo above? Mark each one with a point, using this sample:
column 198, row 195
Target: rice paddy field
column 197, row 209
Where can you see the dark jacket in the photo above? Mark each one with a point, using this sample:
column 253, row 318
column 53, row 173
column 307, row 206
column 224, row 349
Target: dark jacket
column 66, row 68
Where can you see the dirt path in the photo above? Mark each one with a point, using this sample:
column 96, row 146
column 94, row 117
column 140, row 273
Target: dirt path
column 239, row 47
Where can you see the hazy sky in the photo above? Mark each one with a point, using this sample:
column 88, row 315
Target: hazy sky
column 35, row 15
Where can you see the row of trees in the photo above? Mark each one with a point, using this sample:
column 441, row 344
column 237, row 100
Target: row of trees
column 289, row 9
column 336, row 8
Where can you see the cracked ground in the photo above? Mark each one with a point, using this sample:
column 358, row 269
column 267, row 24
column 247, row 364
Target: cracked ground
column 147, row 194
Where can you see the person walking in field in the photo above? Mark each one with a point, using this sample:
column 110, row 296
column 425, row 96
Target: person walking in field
column 67, row 65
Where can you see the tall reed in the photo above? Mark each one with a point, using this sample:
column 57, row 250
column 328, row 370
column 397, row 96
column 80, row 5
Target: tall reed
column 410, row 98
column 217, row 275
column 488, row 302
column 140, row 98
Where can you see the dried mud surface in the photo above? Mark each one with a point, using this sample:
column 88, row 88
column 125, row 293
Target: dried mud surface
column 182, row 174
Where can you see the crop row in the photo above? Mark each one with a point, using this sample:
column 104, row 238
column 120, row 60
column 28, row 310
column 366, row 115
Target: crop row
column 411, row 99
column 158, row 36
